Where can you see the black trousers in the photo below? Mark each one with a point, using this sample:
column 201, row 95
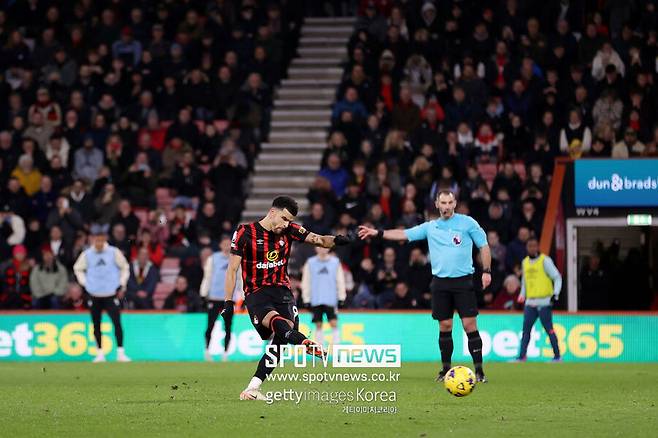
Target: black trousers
column 214, row 309
column 111, row 306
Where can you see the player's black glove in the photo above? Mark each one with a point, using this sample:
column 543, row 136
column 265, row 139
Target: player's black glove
column 227, row 311
column 341, row 240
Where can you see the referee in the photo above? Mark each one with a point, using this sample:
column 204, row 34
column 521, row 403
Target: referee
column 103, row 271
column 450, row 239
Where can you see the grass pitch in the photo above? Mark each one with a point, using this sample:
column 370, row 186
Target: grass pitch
column 201, row 399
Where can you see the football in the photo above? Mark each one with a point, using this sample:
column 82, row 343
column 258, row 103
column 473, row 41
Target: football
column 459, row 381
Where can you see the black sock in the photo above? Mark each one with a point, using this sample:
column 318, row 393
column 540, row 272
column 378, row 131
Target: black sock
column 475, row 347
column 262, row 370
column 446, row 347
column 281, row 328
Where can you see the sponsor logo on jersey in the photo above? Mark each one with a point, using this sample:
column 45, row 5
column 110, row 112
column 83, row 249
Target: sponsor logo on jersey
column 302, row 230
column 269, row 265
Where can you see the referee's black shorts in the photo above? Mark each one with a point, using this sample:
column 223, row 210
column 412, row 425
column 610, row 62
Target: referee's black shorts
column 450, row 294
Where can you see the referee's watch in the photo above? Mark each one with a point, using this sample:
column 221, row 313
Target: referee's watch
column 486, row 271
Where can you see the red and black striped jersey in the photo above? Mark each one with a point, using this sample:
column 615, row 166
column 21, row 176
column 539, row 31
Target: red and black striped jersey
column 265, row 254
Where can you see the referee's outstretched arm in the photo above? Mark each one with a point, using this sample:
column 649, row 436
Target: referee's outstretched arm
column 396, row 234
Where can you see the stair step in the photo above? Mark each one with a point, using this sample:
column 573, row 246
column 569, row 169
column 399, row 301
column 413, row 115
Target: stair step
column 313, row 41
column 299, row 82
column 321, row 102
column 290, row 116
column 337, row 21
column 289, row 158
column 265, row 203
column 317, row 72
column 297, row 124
column 287, row 168
column 285, row 181
column 327, row 29
column 295, row 137
column 307, row 92
column 322, row 51
column 277, row 191
column 318, row 62
column 302, row 113
column 293, row 147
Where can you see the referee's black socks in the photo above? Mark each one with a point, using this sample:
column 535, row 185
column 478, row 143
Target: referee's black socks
column 446, row 347
column 475, row 348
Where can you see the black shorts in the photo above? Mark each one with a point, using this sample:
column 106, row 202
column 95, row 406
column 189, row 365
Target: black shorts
column 267, row 299
column 104, row 303
column 450, row 294
column 318, row 311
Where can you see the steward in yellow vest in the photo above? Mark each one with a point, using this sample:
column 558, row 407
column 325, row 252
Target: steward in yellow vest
column 541, row 281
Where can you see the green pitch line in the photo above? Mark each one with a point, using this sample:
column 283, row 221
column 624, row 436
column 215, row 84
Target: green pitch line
column 199, row 399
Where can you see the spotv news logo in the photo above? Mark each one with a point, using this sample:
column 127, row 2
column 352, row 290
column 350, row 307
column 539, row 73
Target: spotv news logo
column 342, row 356
column 617, row 183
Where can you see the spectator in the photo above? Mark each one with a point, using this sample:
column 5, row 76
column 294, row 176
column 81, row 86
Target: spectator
column 48, row 281
column 604, row 57
column 629, row 146
column 387, row 278
column 144, row 277
column 126, row 216
column 575, row 138
column 154, row 248
column 419, row 277
column 27, row 175
column 406, row 114
column 119, row 238
column 607, row 111
column 506, row 299
column 74, row 298
column 38, row 130
column 516, row 249
column 336, row 174
column 64, row 217
column 350, row 104
column 183, row 298
column 15, row 291
column 88, row 161
column 12, row 226
column 403, row 299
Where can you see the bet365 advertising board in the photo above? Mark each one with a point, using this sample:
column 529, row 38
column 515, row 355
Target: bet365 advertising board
column 180, row 337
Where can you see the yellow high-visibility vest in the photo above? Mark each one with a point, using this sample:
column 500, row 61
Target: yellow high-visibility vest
column 537, row 283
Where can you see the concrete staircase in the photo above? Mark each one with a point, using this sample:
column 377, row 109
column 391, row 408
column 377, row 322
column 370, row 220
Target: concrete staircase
column 288, row 164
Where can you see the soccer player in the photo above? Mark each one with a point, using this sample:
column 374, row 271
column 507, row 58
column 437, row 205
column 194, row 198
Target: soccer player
column 262, row 249
column 212, row 288
column 103, row 271
column 450, row 239
column 323, row 286
column 540, row 284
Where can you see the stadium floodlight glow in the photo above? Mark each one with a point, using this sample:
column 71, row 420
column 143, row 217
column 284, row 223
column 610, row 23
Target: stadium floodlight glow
column 639, row 220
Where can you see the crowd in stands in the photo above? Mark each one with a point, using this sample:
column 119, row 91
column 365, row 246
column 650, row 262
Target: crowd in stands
column 478, row 97
column 144, row 115
column 148, row 116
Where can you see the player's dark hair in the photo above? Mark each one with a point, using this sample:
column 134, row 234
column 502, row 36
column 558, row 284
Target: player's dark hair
column 286, row 202
column 445, row 192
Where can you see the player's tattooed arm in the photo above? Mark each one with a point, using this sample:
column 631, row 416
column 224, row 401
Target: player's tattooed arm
column 318, row 240
column 329, row 241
